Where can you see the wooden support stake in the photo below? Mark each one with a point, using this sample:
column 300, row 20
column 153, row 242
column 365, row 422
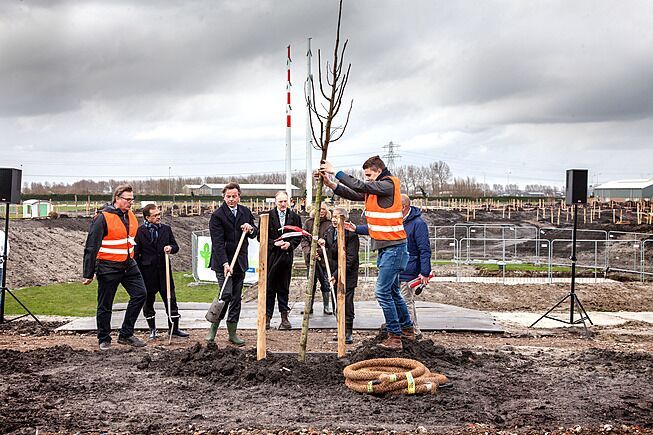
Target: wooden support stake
column 262, row 287
column 559, row 211
column 342, row 281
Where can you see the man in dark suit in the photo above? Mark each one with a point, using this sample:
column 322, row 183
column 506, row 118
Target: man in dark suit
column 226, row 226
column 352, row 245
column 154, row 240
column 280, row 258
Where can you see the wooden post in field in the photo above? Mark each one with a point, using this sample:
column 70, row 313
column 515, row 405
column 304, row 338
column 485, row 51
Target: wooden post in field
column 584, row 214
column 552, row 215
column 621, row 215
column 614, row 216
column 262, row 287
column 559, row 211
column 342, row 281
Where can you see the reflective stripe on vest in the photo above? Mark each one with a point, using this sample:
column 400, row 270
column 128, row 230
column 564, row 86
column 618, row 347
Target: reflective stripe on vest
column 385, row 223
column 117, row 245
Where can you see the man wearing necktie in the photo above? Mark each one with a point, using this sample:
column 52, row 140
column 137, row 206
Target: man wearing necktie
column 226, row 226
column 280, row 258
column 153, row 241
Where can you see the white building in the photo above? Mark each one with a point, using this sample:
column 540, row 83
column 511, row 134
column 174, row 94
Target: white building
column 209, row 189
column 625, row 190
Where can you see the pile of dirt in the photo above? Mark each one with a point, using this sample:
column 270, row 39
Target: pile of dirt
column 46, row 251
column 24, row 328
column 208, row 388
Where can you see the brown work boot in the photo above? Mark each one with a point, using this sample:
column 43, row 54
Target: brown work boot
column 393, row 342
column 267, row 322
column 408, row 333
column 285, row 323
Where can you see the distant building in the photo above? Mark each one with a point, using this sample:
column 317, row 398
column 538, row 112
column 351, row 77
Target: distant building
column 209, row 189
column 625, row 190
column 36, row 208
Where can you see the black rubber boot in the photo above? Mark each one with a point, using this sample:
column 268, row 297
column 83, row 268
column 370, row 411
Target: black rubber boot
column 151, row 323
column 326, row 298
column 349, row 329
column 176, row 332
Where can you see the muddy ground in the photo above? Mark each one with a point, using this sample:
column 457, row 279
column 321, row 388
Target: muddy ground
column 524, row 380
column 519, row 381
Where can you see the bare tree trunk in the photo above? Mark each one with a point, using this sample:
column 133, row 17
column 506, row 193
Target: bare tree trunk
column 336, row 82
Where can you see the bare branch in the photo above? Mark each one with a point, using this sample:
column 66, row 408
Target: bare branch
column 342, row 131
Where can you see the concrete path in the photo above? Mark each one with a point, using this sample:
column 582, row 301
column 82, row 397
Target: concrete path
column 432, row 317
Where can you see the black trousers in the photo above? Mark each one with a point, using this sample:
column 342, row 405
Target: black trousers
column 108, row 279
column 232, row 294
column 279, row 275
column 155, row 282
column 321, row 277
column 349, row 304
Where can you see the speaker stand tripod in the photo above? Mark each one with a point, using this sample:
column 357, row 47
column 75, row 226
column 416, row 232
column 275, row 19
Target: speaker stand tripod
column 574, row 302
column 4, row 290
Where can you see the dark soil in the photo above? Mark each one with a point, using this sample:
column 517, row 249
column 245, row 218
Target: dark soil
column 210, row 388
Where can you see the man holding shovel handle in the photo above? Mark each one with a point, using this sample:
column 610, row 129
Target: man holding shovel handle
column 230, row 226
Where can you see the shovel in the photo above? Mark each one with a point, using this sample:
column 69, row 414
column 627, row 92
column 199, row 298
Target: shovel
column 213, row 315
column 168, row 297
column 332, row 290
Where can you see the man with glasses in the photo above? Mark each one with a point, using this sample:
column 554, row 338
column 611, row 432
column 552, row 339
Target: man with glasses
column 153, row 241
column 109, row 254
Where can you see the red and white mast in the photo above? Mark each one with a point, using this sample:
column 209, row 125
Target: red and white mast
column 288, row 123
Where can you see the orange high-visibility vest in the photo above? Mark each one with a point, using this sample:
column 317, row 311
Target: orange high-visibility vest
column 117, row 245
column 385, row 223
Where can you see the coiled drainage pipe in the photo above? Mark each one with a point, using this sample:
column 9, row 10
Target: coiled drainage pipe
column 392, row 375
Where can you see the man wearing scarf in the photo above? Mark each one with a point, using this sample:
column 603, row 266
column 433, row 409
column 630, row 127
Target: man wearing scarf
column 153, row 241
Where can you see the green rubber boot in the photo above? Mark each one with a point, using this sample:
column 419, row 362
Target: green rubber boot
column 213, row 329
column 232, row 327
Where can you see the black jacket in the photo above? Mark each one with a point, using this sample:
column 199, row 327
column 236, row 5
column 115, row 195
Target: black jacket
column 325, row 224
column 147, row 253
column 277, row 257
column 352, row 245
column 96, row 233
column 225, row 235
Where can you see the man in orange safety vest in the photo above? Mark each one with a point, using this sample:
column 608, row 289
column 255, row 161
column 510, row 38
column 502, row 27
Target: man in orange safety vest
column 109, row 254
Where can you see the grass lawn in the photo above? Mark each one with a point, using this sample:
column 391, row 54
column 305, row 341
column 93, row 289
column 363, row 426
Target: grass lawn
column 75, row 299
column 525, row 266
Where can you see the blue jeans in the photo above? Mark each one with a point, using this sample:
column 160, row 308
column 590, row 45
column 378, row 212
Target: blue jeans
column 390, row 262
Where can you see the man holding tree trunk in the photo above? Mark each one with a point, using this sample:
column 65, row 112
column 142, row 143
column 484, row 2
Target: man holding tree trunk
column 382, row 195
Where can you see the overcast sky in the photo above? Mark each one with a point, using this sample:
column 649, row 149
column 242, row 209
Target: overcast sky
column 502, row 91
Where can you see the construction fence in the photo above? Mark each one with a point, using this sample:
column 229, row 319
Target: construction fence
column 456, row 249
